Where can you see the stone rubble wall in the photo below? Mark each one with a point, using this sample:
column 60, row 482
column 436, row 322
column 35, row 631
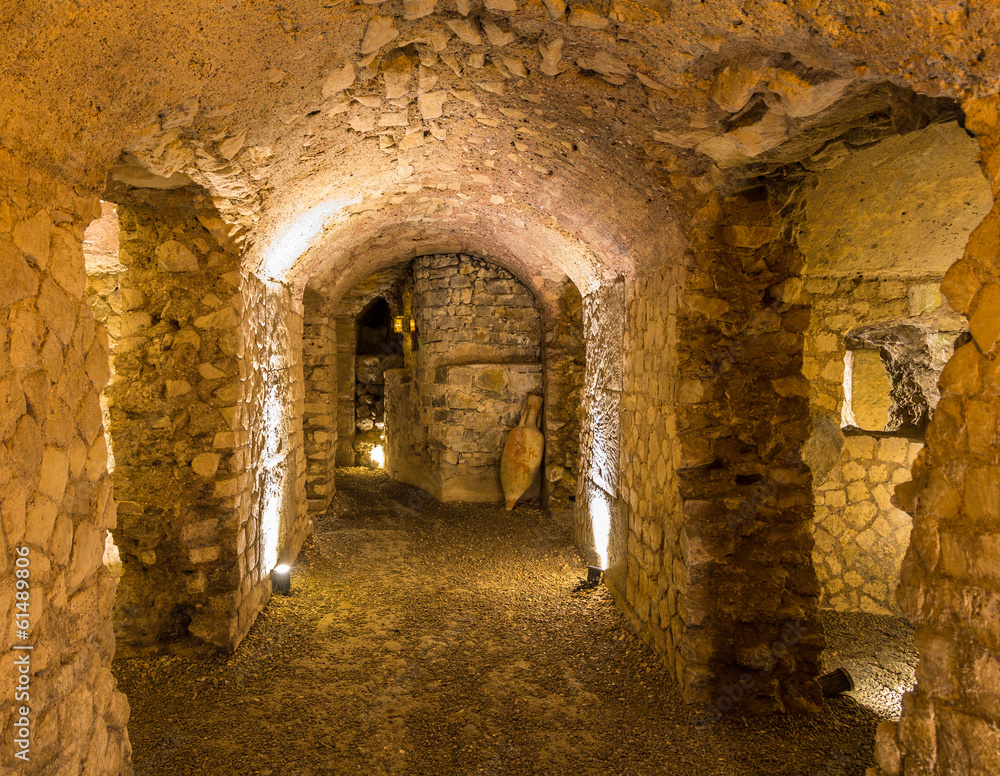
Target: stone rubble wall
column 742, row 420
column 598, row 500
column 346, row 336
column 319, row 422
column 860, row 536
column 629, row 451
column 55, row 492
column 564, row 362
column 273, row 494
column 173, row 322
column 369, row 383
column 480, row 339
column 469, row 311
column 949, row 581
column 656, row 582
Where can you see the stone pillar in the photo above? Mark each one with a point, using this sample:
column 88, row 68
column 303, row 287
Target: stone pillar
column 656, row 579
column 275, row 515
column 173, row 319
column 346, row 339
column 599, row 520
column 319, row 423
column 55, row 494
column 563, row 364
column 950, row 579
column 750, row 630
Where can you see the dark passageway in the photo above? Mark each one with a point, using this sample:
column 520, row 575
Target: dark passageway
column 429, row 638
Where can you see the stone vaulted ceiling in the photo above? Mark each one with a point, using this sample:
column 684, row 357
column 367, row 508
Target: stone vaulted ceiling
column 562, row 139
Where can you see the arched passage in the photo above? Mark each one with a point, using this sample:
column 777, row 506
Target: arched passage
column 575, row 125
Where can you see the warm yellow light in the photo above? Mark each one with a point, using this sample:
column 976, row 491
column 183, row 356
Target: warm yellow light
column 378, row 455
column 398, row 323
column 282, row 568
column 600, row 517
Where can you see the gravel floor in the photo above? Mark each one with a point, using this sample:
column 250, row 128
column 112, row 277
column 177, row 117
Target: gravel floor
column 426, row 638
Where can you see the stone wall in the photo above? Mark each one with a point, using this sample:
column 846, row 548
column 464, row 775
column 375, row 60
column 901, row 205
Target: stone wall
column 479, row 332
column 387, row 284
column 656, row 581
column 466, row 412
column 599, row 522
column 369, row 403
column 860, row 536
column 746, row 494
column 55, row 492
column 949, row 583
column 319, row 423
column 275, row 510
column 469, row 311
column 172, row 318
column 564, row 362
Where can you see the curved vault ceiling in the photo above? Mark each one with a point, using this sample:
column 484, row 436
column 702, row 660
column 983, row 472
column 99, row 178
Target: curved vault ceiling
column 559, row 137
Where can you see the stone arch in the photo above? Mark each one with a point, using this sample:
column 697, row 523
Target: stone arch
column 561, row 343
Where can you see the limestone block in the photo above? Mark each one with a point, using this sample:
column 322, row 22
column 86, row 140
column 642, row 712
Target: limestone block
column 870, row 390
column 206, row 464
column 466, row 30
column 551, row 52
column 749, row 235
column 800, row 98
column 173, row 256
column 984, row 323
column 960, row 285
column 53, row 474
column 33, row 238
column 380, row 31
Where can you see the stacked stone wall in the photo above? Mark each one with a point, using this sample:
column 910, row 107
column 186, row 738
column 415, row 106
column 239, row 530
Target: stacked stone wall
column 564, row 362
column 469, row 311
column 387, row 284
column 860, row 536
column 656, row 579
column 319, row 423
column 742, row 419
column 598, row 519
column 275, row 512
column 480, row 335
column 949, row 581
column 346, row 335
column 55, row 493
column 172, row 318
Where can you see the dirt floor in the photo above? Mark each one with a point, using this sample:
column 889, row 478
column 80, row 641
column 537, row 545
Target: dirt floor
column 427, row 638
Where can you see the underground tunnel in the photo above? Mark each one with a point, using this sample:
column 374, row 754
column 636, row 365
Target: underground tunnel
column 283, row 279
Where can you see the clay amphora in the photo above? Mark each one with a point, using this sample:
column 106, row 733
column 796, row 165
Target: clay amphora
column 522, row 454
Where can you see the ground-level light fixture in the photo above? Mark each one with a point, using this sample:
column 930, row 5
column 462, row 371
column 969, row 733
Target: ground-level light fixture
column 836, row 682
column 378, row 456
column 595, row 575
column 281, row 579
